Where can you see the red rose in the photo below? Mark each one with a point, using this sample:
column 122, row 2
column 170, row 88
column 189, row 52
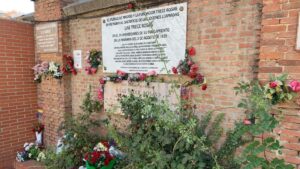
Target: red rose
column 102, row 81
column 273, row 84
column 192, row 75
column 247, row 122
column 130, row 6
column 174, row 70
column 192, row 51
column 121, row 73
column 194, row 68
column 142, row 76
column 93, row 70
column 74, row 71
column 199, row 78
column 204, row 87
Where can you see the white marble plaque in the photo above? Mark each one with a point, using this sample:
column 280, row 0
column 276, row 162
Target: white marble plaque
column 46, row 37
column 163, row 91
column 77, row 54
column 139, row 42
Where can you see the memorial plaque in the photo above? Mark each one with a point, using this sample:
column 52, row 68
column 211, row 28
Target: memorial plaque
column 163, row 91
column 77, row 55
column 140, row 42
column 46, row 37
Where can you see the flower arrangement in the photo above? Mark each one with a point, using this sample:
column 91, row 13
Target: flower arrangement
column 40, row 70
column 189, row 68
column 45, row 69
column 69, row 67
column 103, row 156
column 94, row 59
column 277, row 90
column 54, row 70
column 30, row 152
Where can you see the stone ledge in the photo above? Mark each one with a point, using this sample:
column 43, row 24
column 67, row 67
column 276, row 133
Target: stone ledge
column 28, row 165
column 85, row 6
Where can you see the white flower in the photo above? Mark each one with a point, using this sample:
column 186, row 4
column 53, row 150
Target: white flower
column 53, row 67
column 29, row 155
column 41, row 156
column 101, row 147
column 31, row 144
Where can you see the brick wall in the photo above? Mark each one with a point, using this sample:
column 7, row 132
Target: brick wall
column 18, row 92
column 278, row 55
column 54, row 95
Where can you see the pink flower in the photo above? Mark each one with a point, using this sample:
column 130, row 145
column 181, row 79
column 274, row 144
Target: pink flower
column 174, row 70
column 247, row 122
column 100, row 94
column 142, row 76
column 295, row 86
column 152, row 73
column 93, row 70
column 190, row 62
column 192, row 51
column 102, row 81
column 273, row 84
column 130, row 6
column 121, row 73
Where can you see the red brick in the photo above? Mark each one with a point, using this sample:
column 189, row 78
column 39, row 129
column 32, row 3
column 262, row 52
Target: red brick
column 273, row 28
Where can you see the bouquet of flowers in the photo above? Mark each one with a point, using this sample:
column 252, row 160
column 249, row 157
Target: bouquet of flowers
column 54, row 70
column 103, row 156
column 38, row 130
column 31, row 152
column 69, row 67
column 39, row 70
column 277, row 90
column 94, row 59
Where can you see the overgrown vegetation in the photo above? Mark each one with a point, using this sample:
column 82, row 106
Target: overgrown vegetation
column 160, row 138
column 79, row 138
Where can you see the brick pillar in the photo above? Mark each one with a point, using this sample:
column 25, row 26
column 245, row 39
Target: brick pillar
column 278, row 55
column 54, row 95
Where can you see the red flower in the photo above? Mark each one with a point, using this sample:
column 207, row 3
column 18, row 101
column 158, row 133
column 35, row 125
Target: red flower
column 142, row 76
column 174, row 70
column 192, row 75
column 74, row 71
column 102, row 81
column 194, row 68
column 273, row 84
column 100, row 94
column 130, row 6
column 192, row 51
column 204, row 87
column 93, row 70
column 247, row 122
column 199, row 78
column 121, row 73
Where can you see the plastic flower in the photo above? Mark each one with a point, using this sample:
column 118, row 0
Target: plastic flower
column 204, row 87
column 52, row 67
column 101, row 147
column 174, row 70
column 142, row 76
column 102, row 81
column 192, row 51
column 295, row 86
column 152, row 73
column 247, row 122
column 273, row 84
column 121, row 73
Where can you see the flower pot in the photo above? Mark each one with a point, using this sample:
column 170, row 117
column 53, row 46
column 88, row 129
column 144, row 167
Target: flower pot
column 109, row 166
column 89, row 166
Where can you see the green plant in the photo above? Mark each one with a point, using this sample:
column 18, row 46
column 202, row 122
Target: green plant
column 258, row 108
column 160, row 138
column 79, row 138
